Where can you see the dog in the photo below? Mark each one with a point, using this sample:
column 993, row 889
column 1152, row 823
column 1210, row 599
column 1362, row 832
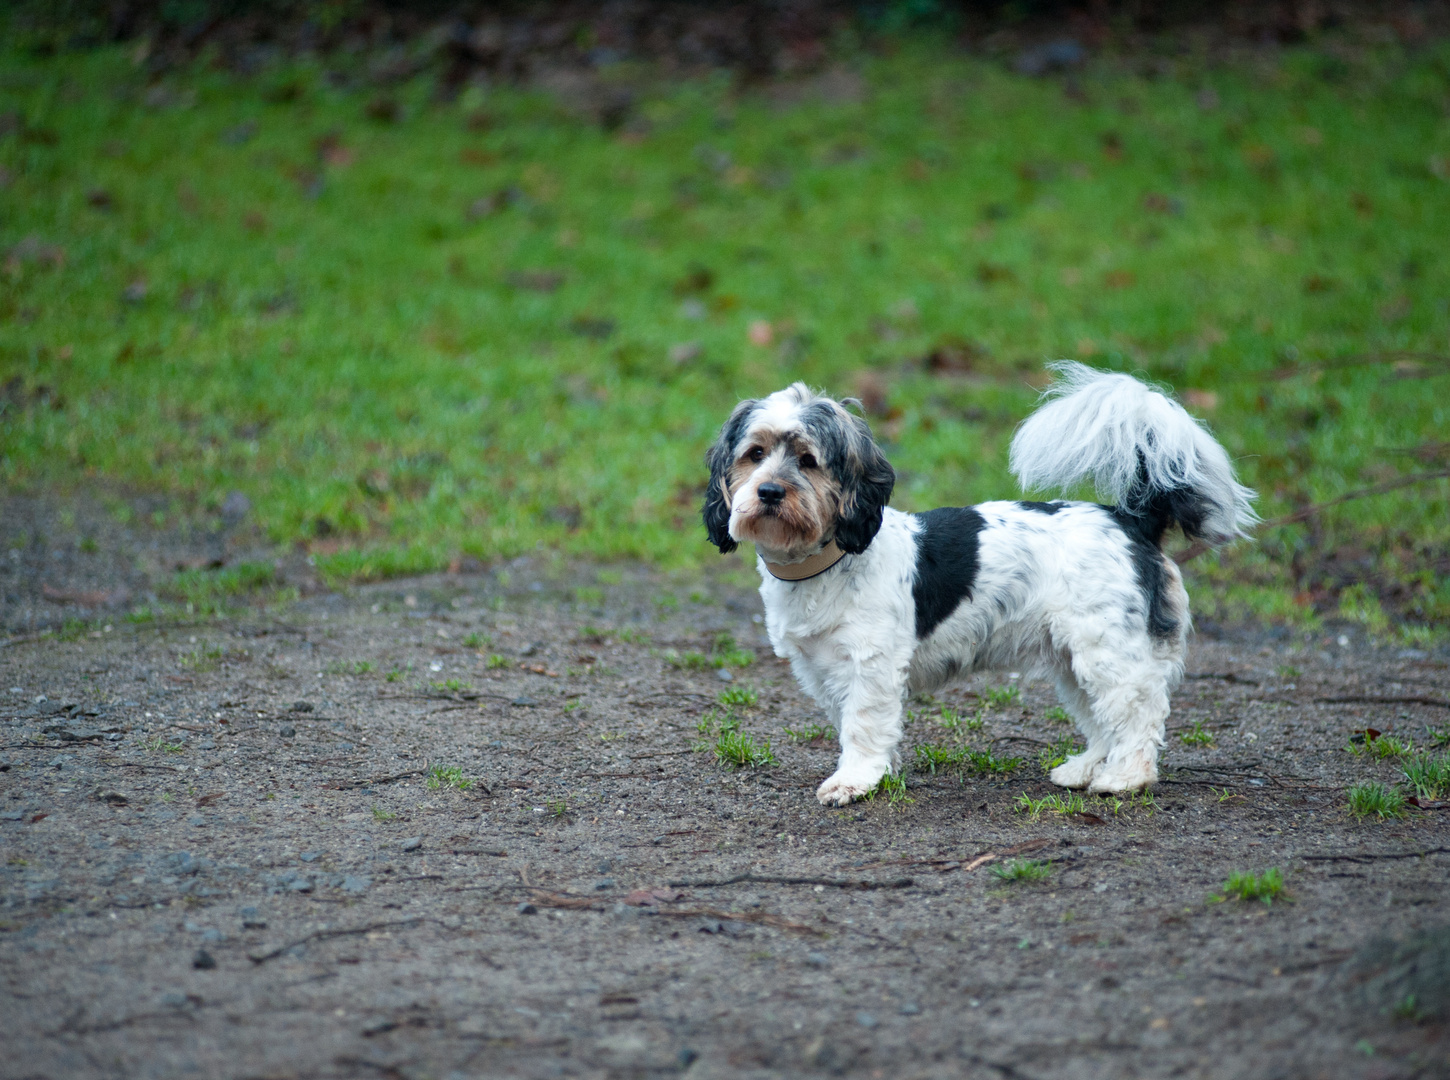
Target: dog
column 870, row 604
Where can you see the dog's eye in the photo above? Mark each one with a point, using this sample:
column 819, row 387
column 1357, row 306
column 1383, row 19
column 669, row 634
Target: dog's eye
column 808, row 461
column 755, row 453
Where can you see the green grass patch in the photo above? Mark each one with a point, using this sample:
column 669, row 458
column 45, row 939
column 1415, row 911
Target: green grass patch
column 738, row 697
column 1069, row 803
column 1381, row 746
column 214, row 592
column 447, row 776
column 412, row 341
column 892, row 788
column 1000, row 696
column 811, row 733
column 1022, row 871
column 1429, row 775
column 1242, row 885
column 1196, row 735
column 1052, row 756
column 476, row 640
column 1373, row 799
column 730, row 745
column 1057, row 715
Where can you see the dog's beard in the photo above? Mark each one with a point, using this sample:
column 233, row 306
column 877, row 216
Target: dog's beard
column 789, row 531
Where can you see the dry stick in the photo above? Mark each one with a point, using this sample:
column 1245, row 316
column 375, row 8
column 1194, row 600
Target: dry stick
column 322, row 935
column 1197, row 548
column 342, row 784
column 1370, row 855
column 778, row 879
column 589, row 903
column 1363, row 700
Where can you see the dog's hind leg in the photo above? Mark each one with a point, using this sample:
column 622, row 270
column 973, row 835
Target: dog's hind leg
column 1078, row 770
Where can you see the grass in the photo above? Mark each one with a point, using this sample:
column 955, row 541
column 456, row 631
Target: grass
column 999, row 696
column 447, row 776
column 892, row 788
column 933, row 756
column 217, row 591
column 1382, row 746
column 203, row 658
column 953, row 720
column 1018, row 871
column 1057, row 715
column 809, row 733
column 1373, row 799
column 1052, row 756
column 1429, row 775
column 730, row 745
column 379, row 814
column 738, row 697
column 476, row 640
column 1241, row 885
column 443, row 381
column 1070, row 803
column 1196, row 736
column 452, row 686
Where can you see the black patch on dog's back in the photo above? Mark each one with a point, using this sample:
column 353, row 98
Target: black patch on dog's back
column 1048, row 508
column 946, row 563
column 1143, row 536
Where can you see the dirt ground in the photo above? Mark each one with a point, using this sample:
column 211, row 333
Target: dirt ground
column 223, row 856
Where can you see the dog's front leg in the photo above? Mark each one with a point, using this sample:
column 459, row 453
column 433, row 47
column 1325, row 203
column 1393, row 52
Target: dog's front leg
column 867, row 697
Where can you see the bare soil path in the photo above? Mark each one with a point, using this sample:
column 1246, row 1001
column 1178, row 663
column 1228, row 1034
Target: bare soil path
column 223, row 857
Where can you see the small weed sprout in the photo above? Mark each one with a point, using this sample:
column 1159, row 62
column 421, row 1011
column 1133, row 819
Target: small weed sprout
column 395, row 675
column 740, row 749
column 1438, row 737
column 558, row 808
column 1058, row 715
column 986, row 763
column 379, row 814
column 452, row 686
column 573, row 703
column 811, row 733
column 892, row 788
column 476, row 640
column 1289, row 671
column 731, row 745
column 1196, row 736
column 447, row 776
column 1380, row 747
column 1057, row 753
column 955, row 721
column 495, row 662
column 203, row 658
column 1000, row 696
column 1071, row 803
column 739, row 697
column 1408, row 1008
column 1376, row 800
column 1429, row 775
column 160, row 745
column 1017, row 871
column 931, row 757
column 1227, row 794
column 1268, row 887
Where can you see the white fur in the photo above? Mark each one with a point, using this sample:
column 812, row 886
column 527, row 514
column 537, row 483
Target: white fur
column 1097, row 425
column 1055, row 595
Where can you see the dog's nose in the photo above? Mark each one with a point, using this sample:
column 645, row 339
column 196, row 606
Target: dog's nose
column 770, row 493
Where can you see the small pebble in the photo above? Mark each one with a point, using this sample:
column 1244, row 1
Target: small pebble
column 818, row 960
column 309, row 856
column 356, row 884
column 287, row 731
column 910, row 1008
column 203, row 960
column 302, row 884
column 527, row 908
column 412, row 843
column 524, row 701
column 724, row 674
column 866, row 1020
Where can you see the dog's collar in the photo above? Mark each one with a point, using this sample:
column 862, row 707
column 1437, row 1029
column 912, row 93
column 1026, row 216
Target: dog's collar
column 816, row 565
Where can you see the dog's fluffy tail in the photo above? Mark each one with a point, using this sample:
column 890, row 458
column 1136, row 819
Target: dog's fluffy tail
column 1157, row 463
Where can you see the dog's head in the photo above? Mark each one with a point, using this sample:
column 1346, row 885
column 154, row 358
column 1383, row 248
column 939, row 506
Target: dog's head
column 792, row 472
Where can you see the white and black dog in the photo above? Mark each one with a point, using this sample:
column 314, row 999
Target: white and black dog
column 870, row 604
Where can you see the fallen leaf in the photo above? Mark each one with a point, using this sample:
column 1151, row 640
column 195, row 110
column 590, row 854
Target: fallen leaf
column 760, row 333
column 1119, row 279
column 536, row 280
column 1206, row 400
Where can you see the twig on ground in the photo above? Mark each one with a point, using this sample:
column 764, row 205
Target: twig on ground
column 780, row 879
column 322, row 935
column 340, row 785
column 1369, row 856
column 1362, row 699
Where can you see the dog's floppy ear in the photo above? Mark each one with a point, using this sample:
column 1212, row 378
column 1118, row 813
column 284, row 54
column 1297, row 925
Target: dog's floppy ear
column 717, row 495
column 866, row 479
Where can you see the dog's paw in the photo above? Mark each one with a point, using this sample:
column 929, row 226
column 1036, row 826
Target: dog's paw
column 850, row 783
column 1077, row 771
column 1134, row 773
